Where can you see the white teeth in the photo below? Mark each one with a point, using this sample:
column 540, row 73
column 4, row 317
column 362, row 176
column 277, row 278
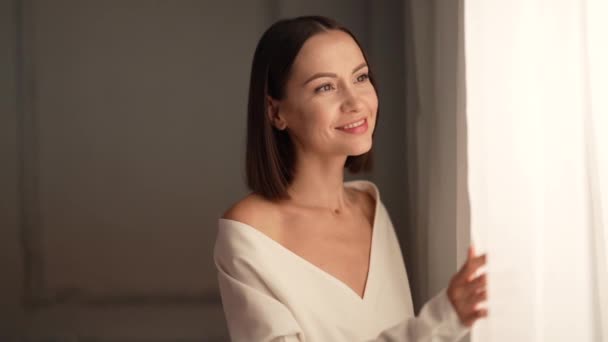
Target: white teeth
column 353, row 125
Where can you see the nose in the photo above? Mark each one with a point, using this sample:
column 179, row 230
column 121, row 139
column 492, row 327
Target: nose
column 351, row 102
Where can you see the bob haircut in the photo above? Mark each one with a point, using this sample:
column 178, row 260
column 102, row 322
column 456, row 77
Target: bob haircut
column 270, row 155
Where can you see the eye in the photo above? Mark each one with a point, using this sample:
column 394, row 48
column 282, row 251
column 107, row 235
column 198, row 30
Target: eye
column 363, row 78
column 325, row 87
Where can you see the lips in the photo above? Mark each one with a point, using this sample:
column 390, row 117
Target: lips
column 357, row 127
column 353, row 124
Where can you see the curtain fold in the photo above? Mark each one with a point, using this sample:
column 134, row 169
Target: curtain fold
column 418, row 88
column 595, row 48
column 436, row 142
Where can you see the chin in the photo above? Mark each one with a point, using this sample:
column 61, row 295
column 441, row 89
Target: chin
column 364, row 148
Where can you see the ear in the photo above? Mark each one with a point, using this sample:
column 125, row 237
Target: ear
column 273, row 112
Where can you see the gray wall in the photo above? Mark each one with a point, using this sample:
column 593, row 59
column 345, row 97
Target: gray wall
column 11, row 262
column 122, row 133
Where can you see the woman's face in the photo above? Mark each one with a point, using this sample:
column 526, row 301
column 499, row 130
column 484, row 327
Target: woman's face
column 330, row 105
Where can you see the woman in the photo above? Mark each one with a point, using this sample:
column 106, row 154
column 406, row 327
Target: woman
column 305, row 256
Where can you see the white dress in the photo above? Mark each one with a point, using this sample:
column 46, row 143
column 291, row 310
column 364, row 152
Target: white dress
column 271, row 294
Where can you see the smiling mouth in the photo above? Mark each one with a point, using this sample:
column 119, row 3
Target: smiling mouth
column 353, row 124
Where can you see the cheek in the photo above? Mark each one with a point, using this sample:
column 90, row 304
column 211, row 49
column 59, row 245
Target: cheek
column 371, row 100
column 313, row 120
column 321, row 113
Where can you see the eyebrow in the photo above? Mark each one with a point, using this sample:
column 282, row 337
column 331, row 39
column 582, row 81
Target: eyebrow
column 329, row 74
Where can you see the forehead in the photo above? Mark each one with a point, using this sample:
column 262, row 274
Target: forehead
column 329, row 51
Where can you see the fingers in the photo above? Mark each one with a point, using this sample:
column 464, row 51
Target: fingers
column 460, row 281
column 476, row 298
column 479, row 282
column 466, row 291
column 472, row 313
column 468, row 309
column 475, row 315
column 469, row 288
column 471, row 266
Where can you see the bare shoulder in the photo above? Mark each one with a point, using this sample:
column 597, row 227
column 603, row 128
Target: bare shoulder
column 255, row 211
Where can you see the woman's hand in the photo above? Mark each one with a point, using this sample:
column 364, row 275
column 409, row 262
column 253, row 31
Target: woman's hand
column 466, row 293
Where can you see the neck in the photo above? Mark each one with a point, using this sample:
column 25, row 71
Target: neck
column 320, row 184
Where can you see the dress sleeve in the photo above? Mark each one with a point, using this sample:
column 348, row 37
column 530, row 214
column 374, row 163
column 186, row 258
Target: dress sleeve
column 437, row 322
column 253, row 315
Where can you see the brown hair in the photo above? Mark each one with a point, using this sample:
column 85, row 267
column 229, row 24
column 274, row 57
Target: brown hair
column 270, row 155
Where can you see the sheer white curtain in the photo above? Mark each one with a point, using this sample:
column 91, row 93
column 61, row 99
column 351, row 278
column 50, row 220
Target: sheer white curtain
column 537, row 118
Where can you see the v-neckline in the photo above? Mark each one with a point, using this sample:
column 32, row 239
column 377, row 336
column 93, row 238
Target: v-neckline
column 371, row 267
